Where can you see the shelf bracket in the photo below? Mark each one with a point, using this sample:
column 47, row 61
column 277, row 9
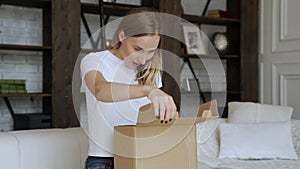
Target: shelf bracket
column 10, row 109
column 86, row 26
column 102, row 29
column 103, row 21
column 206, row 7
column 187, row 60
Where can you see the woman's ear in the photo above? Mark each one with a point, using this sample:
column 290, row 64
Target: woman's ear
column 121, row 36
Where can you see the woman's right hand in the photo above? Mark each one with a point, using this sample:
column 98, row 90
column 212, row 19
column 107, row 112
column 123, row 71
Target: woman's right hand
column 163, row 105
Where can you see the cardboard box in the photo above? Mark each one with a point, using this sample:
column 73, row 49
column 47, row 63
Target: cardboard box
column 152, row 145
column 208, row 110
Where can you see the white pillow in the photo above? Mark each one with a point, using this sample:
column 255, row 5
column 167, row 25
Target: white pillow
column 248, row 112
column 256, row 141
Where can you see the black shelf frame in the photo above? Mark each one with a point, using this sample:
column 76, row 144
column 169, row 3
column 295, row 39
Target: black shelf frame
column 25, row 47
column 211, row 20
column 114, row 9
column 27, row 3
column 225, row 56
column 8, row 105
column 25, row 94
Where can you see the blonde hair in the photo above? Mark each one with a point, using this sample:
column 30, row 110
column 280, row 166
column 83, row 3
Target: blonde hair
column 141, row 22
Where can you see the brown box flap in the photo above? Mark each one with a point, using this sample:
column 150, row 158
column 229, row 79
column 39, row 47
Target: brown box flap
column 208, row 110
column 146, row 115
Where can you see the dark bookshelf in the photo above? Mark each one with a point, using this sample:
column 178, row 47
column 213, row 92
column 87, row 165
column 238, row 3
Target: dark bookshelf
column 242, row 32
column 46, row 49
column 57, row 73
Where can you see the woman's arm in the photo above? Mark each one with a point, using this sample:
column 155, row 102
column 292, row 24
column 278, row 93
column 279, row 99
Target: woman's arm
column 164, row 106
column 113, row 92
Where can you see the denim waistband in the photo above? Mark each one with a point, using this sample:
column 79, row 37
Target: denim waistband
column 96, row 157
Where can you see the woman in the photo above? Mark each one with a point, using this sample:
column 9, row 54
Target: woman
column 121, row 80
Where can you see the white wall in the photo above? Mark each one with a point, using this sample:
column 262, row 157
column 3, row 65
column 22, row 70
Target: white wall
column 280, row 53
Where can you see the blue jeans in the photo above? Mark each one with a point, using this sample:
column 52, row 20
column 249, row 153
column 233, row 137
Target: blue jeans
column 99, row 163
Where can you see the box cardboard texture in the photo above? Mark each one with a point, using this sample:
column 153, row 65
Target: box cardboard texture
column 150, row 144
column 208, row 110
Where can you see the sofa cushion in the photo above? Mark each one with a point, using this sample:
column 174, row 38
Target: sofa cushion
column 48, row 149
column 257, row 141
column 249, row 112
column 208, row 150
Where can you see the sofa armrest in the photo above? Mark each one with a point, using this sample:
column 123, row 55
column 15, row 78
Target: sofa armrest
column 296, row 135
column 9, row 151
column 47, row 149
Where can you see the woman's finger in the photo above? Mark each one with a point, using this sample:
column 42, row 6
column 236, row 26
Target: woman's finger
column 155, row 107
column 170, row 109
column 174, row 108
column 162, row 111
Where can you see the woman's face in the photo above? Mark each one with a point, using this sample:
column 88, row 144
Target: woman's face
column 136, row 51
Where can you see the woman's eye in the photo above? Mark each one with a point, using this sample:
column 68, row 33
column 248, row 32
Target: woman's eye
column 137, row 49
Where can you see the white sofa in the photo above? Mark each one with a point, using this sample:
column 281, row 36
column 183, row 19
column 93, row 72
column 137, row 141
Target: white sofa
column 209, row 148
column 67, row 149
column 43, row 149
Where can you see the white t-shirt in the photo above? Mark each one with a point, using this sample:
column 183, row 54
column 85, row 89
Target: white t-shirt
column 103, row 116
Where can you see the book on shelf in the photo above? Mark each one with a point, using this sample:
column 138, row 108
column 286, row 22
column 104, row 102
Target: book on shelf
column 12, row 86
column 12, row 81
column 217, row 13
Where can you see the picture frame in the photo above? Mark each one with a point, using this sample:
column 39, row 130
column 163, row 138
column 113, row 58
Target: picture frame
column 193, row 40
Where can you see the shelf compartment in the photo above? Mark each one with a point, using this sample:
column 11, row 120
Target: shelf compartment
column 210, row 20
column 25, row 94
column 32, row 121
column 24, row 47
column 113, row 9
column 27, row 3
column 215, row 92
column 229, row 56
column 234, row 92
column 86, row 50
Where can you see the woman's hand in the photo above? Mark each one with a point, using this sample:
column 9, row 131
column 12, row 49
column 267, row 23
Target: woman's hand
column 163, row 105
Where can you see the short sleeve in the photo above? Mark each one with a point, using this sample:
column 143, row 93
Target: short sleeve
column 90, row 62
